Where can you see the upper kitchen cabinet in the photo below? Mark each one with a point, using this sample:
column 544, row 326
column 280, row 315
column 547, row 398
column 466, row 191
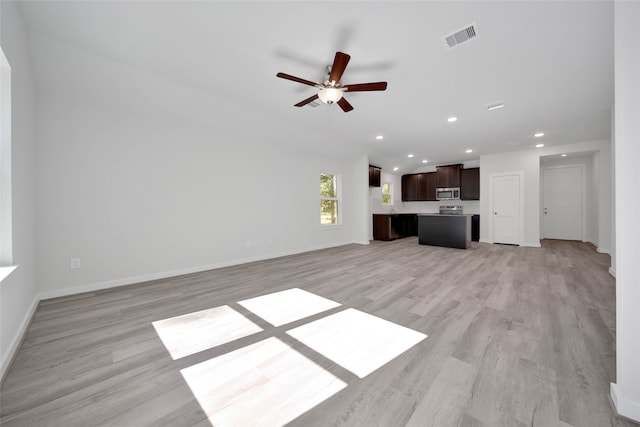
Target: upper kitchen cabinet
column 470, row 184
column 448, row 176
column 374, row 176
column 430, row 186
column 419, row 187
column 410, row 188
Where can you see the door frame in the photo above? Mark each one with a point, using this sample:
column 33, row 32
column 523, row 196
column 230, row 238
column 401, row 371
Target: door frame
column 583, row 201
column 520, row 175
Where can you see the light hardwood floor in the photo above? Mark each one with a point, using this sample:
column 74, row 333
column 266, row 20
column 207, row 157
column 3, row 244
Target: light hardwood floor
column 515, row 337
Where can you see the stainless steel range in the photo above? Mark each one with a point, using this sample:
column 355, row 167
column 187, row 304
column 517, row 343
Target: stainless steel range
column 450, row 210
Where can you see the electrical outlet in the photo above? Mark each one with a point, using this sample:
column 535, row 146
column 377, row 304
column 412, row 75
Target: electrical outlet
column 74, row 263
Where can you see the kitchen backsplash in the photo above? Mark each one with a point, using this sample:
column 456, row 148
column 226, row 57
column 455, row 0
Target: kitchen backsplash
column 376, row 206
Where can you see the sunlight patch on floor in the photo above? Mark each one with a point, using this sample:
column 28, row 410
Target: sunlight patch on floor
column 264, row 384
column 194, row 332
column 269, row 383
column 357, row 341
column 280, row 308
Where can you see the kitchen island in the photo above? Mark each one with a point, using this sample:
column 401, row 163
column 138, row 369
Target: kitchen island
column 452, row 231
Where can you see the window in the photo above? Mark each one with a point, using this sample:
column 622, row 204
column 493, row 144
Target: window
column 329, row 199
column 387, row 195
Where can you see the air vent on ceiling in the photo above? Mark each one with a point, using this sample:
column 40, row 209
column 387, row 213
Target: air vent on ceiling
column 461, row 36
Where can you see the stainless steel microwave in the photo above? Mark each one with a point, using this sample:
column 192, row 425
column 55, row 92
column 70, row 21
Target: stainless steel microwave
column 448, row 193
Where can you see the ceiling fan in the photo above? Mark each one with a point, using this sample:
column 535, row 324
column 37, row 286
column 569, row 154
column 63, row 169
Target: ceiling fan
column 331, row 91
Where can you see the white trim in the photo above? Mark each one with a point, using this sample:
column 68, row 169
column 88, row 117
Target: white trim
column 603, row 251
column 531, row 245
column 520, row 196
column 6, row 213
column 625, row 407
column 612, row 271
column 330, row 226
column 90, row 287
column 7, row 358
column 10, row 353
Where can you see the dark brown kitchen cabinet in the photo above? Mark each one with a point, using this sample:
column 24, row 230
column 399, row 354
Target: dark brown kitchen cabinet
column 419, row 187
column 394, row 226
column 383, row 228
column 470, row 184
column 448, row 176
column 430, row 182
column 374, row 176
column 410, row 188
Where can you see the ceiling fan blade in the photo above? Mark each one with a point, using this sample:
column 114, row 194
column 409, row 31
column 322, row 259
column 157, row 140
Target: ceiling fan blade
column 339, row 64
column 344, row 104
column 306, row 101
column 297, row 79
column 366, row 87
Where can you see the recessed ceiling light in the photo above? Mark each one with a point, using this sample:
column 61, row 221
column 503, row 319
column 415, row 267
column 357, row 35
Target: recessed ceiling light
column 395, row 169
column 539, row 134
column 495, row 105
column 379, row 137
column 452, row 119
column 563, row 155
column 468, row 151
column 409, row 155
column 539, row 145
column 425, row 161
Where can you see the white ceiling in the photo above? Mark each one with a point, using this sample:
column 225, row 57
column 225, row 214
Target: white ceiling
column 551, row 63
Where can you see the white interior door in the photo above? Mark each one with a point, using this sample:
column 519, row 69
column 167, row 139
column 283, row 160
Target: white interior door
column 562, row 203
column 506, row 209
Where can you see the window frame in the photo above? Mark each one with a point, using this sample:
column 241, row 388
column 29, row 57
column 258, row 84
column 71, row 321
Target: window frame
column 390, row 193
column 337, row 199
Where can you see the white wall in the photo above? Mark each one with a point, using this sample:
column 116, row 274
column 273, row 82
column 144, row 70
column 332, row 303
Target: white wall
column 528, row 162
column 626, row 390
column 18, row 291
column 361, row 204
column 136, row 190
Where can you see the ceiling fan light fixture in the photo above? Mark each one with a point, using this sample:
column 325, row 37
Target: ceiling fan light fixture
column 329, row 95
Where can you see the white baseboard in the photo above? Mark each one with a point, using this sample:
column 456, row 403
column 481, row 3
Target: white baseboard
column 363, row 242
column 603, row 251
column 10, row 353
column 532, row 244
column 91, row 287
column 625, row 407
column 612, row 271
